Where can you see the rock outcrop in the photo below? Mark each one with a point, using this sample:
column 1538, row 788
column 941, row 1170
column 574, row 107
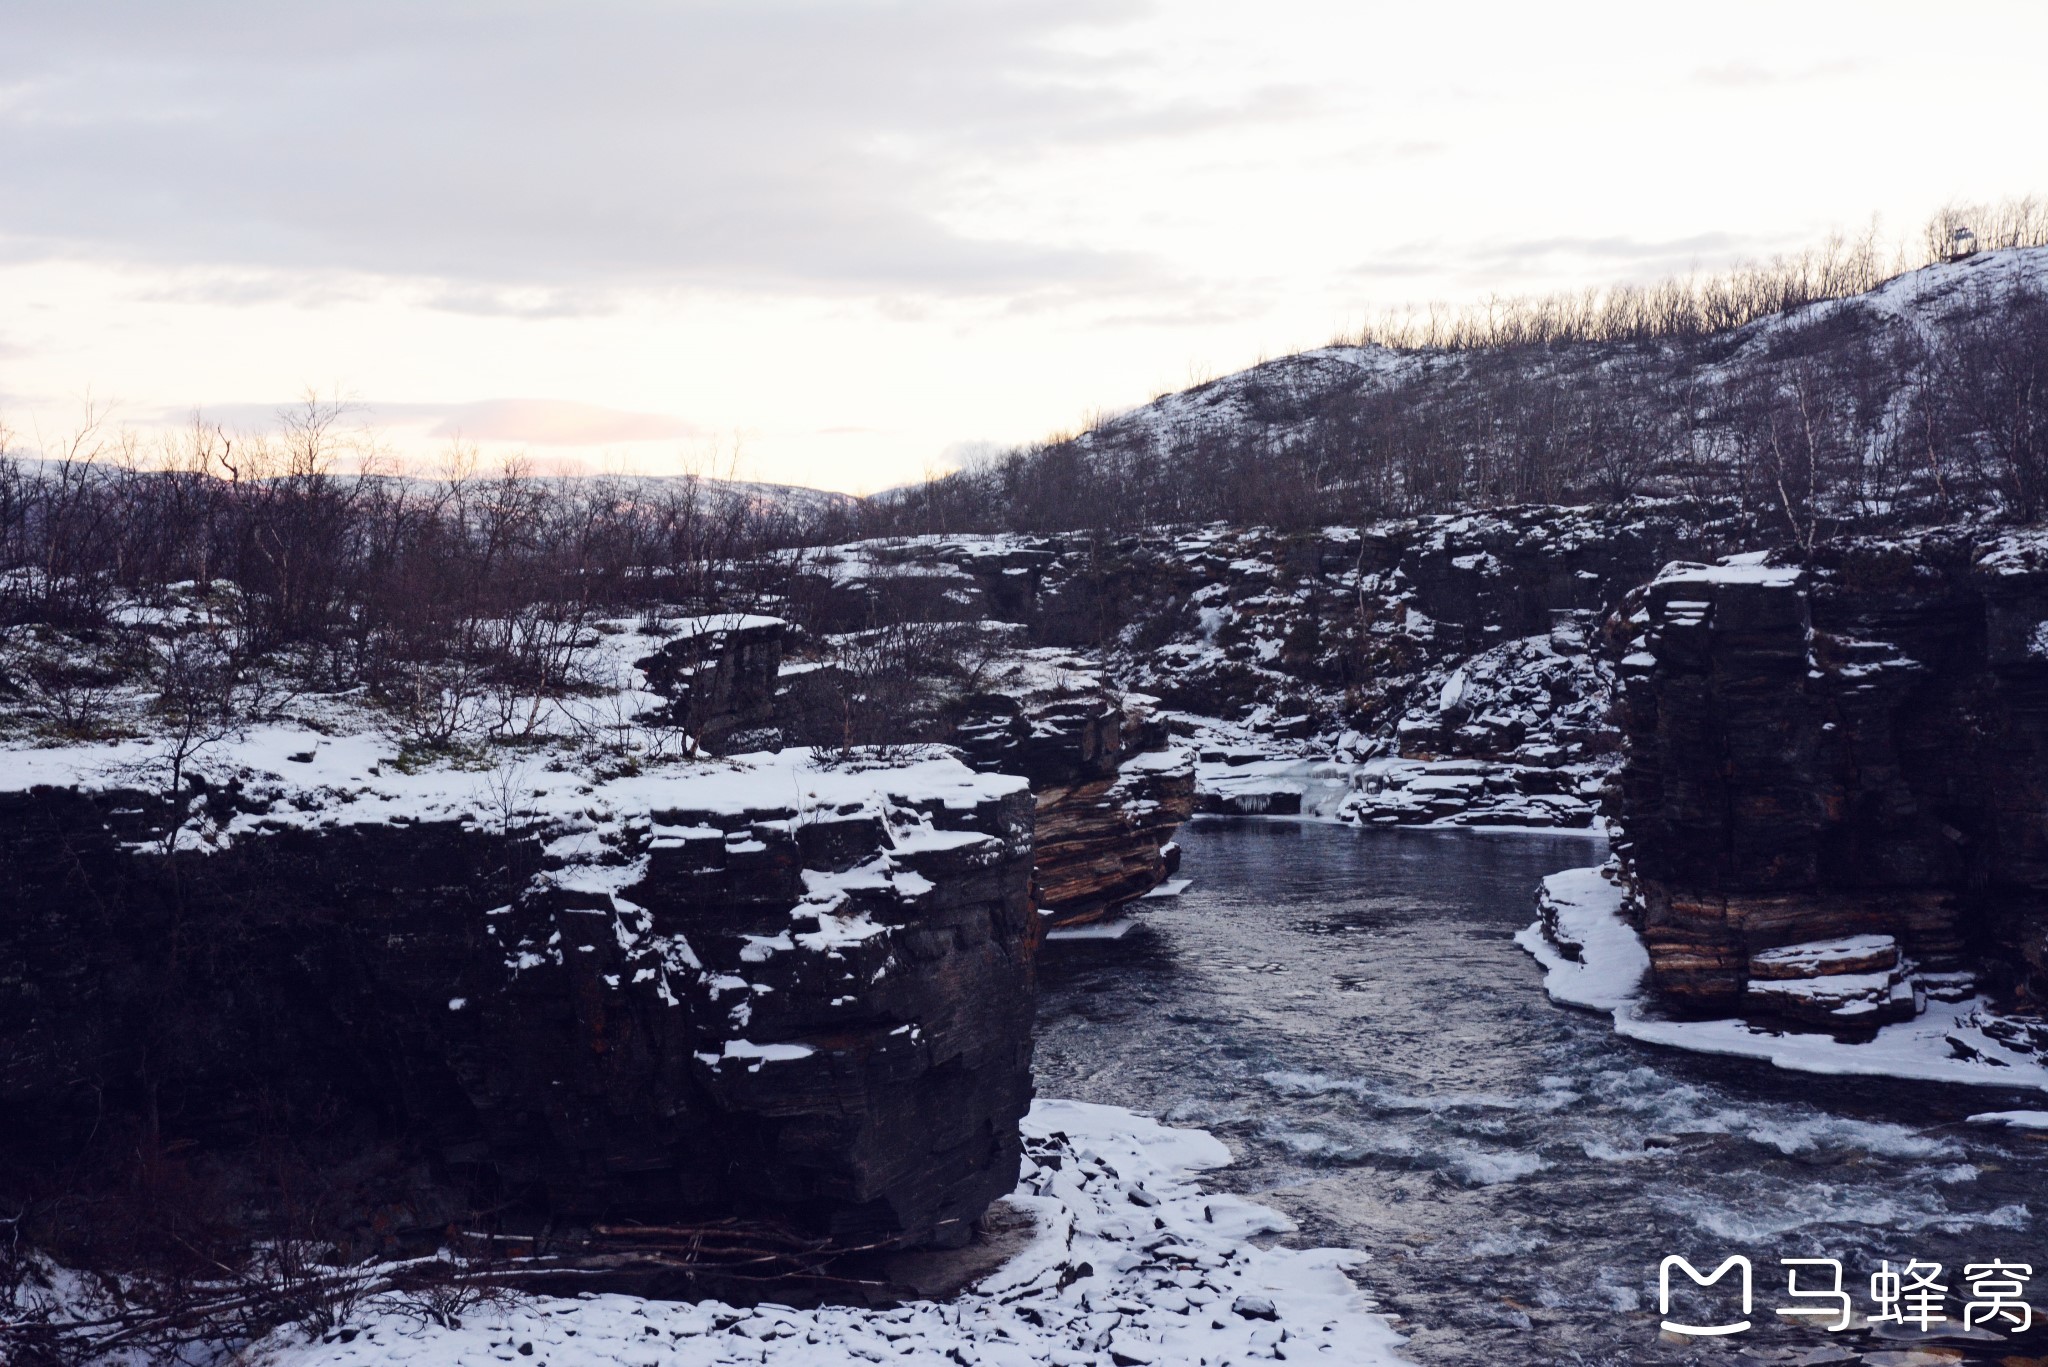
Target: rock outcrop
column 1109, row 794
column 1847, row 752
column 718, row 676
column 776, row 987
column 1854, row 983
column 1448, row 640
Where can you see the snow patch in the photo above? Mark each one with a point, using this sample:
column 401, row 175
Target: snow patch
column 2012, row 1120
column 1133, row 1263
column 1602, row 962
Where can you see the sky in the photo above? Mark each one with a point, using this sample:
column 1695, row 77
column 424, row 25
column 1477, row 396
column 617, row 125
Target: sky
column 848, row 243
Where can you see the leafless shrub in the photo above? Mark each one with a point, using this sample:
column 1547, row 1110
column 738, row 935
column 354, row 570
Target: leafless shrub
column 158, row 1318
column 613, row 725
column 462, row 601
column 884, row 688
column 145, row 1263
column 1695, row 306
column 2010, row 223
column 71, row 683
column 535, row 653
column 205, row 689
column 1677, row 309
column 437, row 703
column 444, row 1300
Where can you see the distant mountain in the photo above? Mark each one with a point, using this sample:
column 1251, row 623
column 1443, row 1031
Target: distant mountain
column 792, row 498
column 796, row 498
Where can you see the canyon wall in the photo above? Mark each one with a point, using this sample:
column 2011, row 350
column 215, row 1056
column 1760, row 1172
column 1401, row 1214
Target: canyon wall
column 1108, row 789
column 791, row 990
column 1849, row 749
column 1454, row 651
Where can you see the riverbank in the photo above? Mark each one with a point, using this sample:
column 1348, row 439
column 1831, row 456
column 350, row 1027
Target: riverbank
column 1134, row 1261
column 1947, row 1042
column 1350, row 1014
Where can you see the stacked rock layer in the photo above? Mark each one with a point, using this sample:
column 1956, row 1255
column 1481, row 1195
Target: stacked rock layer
column 790, row 990
column 1854, row 746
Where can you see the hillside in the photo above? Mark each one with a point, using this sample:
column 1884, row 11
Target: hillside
column 1923, row 399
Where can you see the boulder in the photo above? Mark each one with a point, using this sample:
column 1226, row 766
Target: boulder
column 1853, row 984
column 718, row 676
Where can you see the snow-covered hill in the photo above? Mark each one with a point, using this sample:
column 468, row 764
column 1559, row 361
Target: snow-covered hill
column 1922, row 400
column 1282, row 400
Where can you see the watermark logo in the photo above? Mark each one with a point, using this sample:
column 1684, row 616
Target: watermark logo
column 1912, row 1297
column 1664, row 1293
column 1995, row 1291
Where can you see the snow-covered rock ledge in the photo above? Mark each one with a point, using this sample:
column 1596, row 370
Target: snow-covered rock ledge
column 1387, row 792
column 781, row 986
column 1132, row 1263
column 1594, row 959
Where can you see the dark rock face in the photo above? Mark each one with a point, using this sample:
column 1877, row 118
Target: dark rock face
column 1336, row 627
column 1459, row 639
column 819, row 1011
column 1484, row 578
column 1352, row 627
column 1853, row 748
column 1108, row 796
column 1535, row 700
column 719, row 676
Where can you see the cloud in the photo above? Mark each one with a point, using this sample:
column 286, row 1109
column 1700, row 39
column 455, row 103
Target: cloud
column 535, row 155
column 485, row 302
column 1749, row 76
column 1213, row 310
column 1612, row 248
column 242, row 288
column 1395, row 269
column 528, row 422
column 238, row 417
column 557, row 422
column 1496, row 262
column 1379, row 153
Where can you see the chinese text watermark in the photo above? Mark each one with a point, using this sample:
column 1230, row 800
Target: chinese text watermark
column 1992, row 1293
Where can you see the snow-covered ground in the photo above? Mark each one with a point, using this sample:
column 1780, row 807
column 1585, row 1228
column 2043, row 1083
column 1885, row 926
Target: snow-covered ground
column 1133, row 1262
column 290, row 774
column 1608, row 973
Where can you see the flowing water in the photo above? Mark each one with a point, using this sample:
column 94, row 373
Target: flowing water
column 1347, row 1011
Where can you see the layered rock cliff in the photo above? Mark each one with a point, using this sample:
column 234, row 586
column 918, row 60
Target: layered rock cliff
column 1835, row 776
column 1452, row 651
column 1109, row 785
column 1109, row 794
column 780, row 987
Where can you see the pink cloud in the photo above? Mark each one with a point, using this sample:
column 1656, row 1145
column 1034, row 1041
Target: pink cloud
column 557, row 422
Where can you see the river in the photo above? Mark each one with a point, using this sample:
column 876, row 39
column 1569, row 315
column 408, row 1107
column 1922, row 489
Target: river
column 1346, row 1010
